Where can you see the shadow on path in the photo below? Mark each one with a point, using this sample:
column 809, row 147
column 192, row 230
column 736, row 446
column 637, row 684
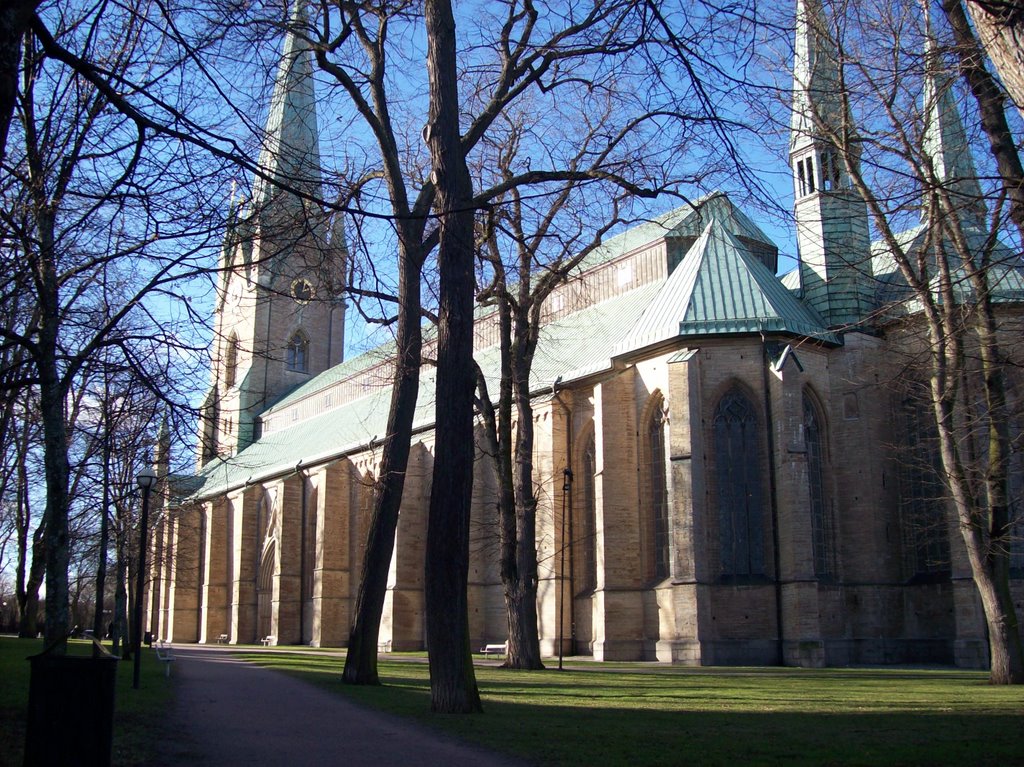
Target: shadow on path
column 228, row 712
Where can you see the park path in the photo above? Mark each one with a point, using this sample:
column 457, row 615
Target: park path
column 228, row 712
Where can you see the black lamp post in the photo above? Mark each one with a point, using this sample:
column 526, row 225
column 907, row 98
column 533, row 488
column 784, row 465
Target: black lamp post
column 146, row 480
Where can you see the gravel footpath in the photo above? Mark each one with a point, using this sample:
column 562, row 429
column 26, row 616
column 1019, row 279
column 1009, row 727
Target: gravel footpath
column 228, row 712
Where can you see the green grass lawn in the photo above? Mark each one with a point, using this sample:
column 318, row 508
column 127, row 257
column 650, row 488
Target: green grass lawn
column 645, row 714
column 630, row 714
column 137, row 713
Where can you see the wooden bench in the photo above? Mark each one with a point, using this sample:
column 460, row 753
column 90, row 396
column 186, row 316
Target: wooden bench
column 495, row 649
column 222, row 639
column 165, row 654
column 268, row 640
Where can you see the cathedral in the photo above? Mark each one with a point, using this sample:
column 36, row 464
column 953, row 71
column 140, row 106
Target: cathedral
column 728, row 468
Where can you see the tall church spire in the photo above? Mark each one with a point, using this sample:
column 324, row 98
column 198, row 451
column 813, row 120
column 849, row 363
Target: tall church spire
column 832, row 225
column 944, row 139
column 290, row 155
column 280, row 318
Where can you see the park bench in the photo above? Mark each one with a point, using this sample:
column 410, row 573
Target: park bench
column 384, row 646
column 495, row 648
column 165, row 653
column 268, row 640
column 222, row 639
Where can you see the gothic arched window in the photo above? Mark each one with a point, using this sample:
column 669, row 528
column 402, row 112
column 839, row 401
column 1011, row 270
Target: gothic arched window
column 586, row 529
column 923, row 495
column 1017, row 516
column 737, row 444
column 657, row 489
column 309, row 543
column 821, row 519
column 297, row 354
column 231, row 361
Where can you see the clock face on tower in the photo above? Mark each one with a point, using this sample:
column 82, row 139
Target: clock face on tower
column 302, row 291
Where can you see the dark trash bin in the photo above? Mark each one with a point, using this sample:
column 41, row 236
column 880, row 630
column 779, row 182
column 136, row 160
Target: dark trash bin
column 147, row 638
column 70, row 710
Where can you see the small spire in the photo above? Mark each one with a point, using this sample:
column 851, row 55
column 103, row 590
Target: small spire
column 291, row 142
column 944, row 139
column 162, row 453
column 815, row 75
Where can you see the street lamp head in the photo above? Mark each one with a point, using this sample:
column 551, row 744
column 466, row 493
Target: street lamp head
column 146, row 479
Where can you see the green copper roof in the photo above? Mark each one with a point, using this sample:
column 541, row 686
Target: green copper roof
column 721, row 288
column 684, row 221
column 1006, row 272
column 339, row 372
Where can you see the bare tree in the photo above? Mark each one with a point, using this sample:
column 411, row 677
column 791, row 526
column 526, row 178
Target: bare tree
column 949, row 280
column 83, row 191
column 991, row 108
column 529, row 243
column 1000, row 25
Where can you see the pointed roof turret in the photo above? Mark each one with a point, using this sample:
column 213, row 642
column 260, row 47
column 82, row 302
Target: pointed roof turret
column 815, row 76
column 944, row 139
column 291, row 143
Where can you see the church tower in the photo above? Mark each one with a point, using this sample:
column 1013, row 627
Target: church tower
column 831, row 218
column 279, row 315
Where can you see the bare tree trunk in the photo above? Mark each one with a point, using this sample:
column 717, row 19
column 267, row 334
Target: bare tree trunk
column 55, row 442
column 15, row 18
column 991, row 560
column 520, row 573
column 101, row 567
column 120, row 619
column 517, row 504
column 1000, row 25
column 985, row 523
column 990, row 108
column 27, row 589
column 361, row 660
column 452, row 680
column 55, row 534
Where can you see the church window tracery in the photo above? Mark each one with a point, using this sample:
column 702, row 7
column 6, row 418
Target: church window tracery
column 657, row 489
column 231, row 361
column 1017, row 520
column 923, row 495
column 806, row 180
column 738, row 470
column 585, row 533
column 821, row 518
column 1016, row 492
column 309, row 542
column 297, row 354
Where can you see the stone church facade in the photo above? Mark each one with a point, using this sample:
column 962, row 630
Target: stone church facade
column 721, row 454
